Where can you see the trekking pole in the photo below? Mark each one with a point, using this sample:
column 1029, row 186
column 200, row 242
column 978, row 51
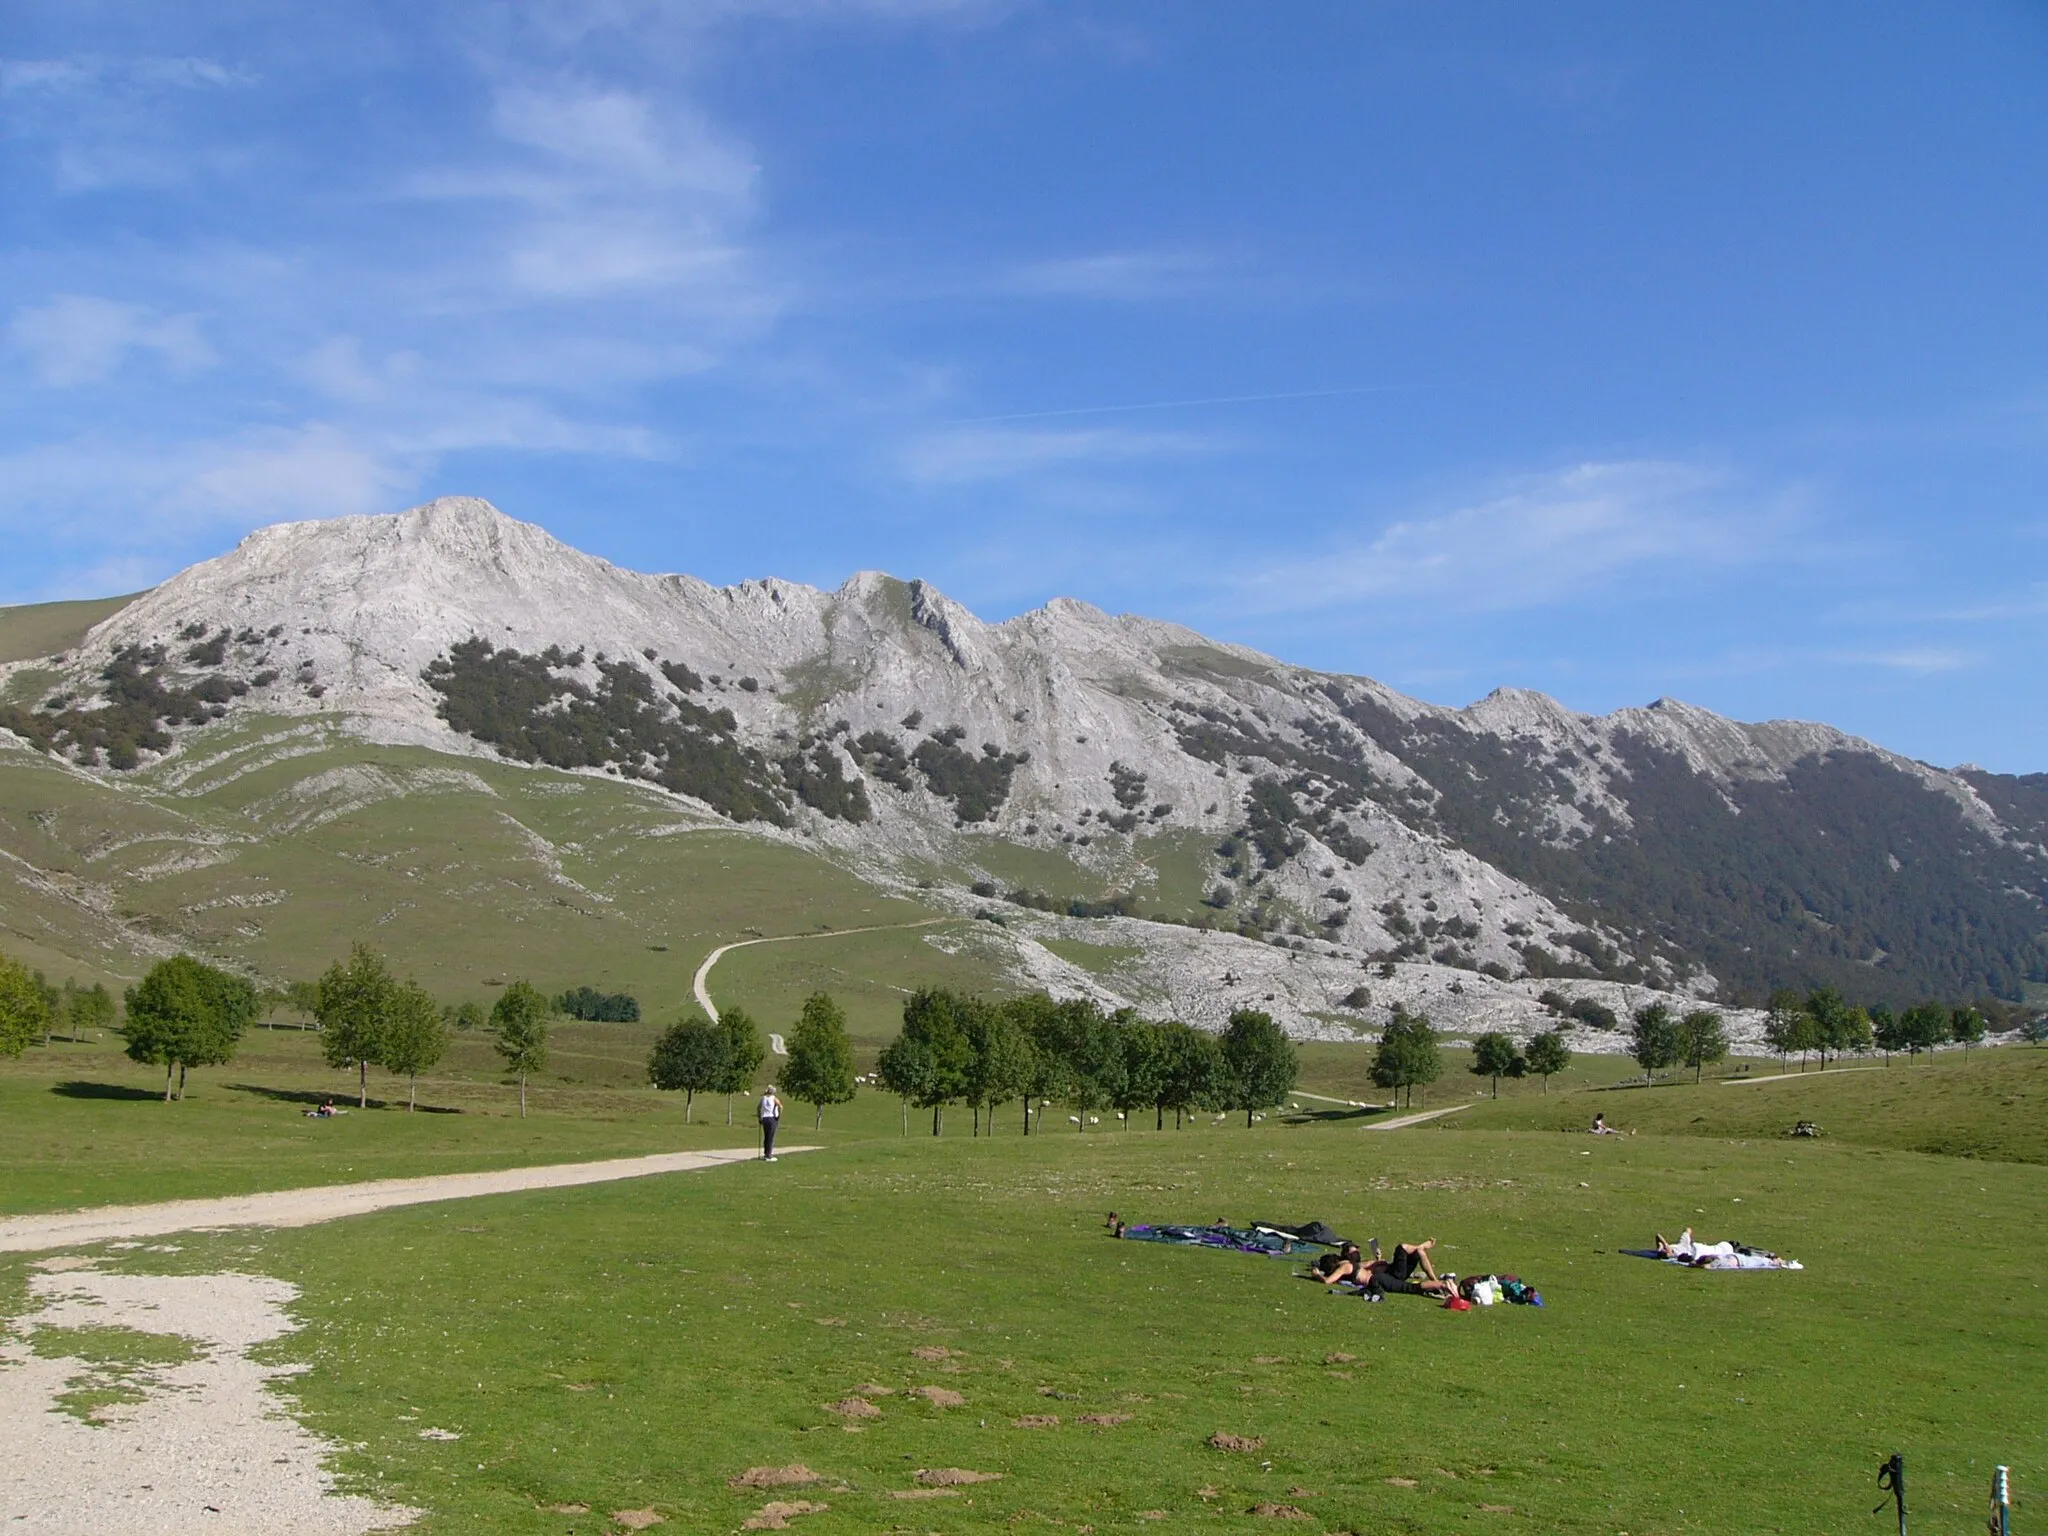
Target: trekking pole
column 1891, row 1477
column 2000, row 1523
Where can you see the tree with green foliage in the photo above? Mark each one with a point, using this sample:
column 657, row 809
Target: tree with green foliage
column 1885, row 1031
column 1143, row 1045
column 1259, row 1062
column 91, row 1008
column 1407, row 1057
column 466, row 1015
column 520, row 1016
column 1703, row 1040
column 908, row 1069
column 1966, row 1028
column 691, row 1057
column 184, row 1014
column 1785, row 1023
column 1045, row 1077
column 820, row 1069
column 934, row 1019
column 1190, row 1067
column 353, row 1003
column 1002, row 1056
column 1836, row 1026
column 745, row 1050
column 21, row 1007
column 1548, row 1054
column 1655, row 1042
column 414, row 1037
column 1494, row 1055
column 2035, row 1030
column 303, row 998
column 1923, row 1027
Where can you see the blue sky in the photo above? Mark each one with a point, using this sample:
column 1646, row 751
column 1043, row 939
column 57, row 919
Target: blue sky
column 1612, row 350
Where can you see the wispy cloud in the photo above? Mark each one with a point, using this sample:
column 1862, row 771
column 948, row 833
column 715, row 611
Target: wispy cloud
column 1545, row 540
column 1119, row 275
column 1910, row 661
column 968, row 454
column 80, row 339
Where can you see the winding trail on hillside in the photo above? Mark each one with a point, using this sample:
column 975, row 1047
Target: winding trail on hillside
column 1417, row 1118
column 699, row 983
column 309, row 1207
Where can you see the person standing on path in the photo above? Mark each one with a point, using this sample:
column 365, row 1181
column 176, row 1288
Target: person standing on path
column 771, row 1117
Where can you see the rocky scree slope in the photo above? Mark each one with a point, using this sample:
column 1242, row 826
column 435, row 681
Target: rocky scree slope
column 1663, row 846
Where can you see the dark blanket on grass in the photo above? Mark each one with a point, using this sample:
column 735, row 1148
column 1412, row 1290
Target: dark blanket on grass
column 1267, row 1240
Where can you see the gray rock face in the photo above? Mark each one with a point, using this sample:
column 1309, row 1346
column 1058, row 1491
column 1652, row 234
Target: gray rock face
column 1390, row 829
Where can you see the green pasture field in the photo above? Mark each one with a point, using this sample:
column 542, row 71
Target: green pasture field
column 33, row 630
column 274, row 844
column 635, row 1346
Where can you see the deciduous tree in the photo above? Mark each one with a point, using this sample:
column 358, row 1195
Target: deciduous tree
column 1656, row 1042
column 520, row 1017
column 352, row 1005
column 185, row 1014
column 745, row 1050
column 414, row 1036
column 691, row 1057
column 820, row 1069
column 1494, row 1056
column 1703, row 1040
column 1548, row 1055
column 1259, row 1063
column 21, row 1007
column 1407, row 1056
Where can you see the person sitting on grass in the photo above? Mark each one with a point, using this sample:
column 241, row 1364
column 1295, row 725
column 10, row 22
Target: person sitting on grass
column 1601, row 1127
column 1347, row 1263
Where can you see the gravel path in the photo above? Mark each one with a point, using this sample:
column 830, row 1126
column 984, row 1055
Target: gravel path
column 209, row 1445
column 1416, row 1119
column 699, row 984
column 306, row 1207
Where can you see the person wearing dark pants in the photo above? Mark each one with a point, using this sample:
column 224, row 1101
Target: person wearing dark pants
column 771, row 1118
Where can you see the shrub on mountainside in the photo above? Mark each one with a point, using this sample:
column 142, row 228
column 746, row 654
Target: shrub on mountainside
column 534, row 709
column 977, row 785
column 141, row 703
column 591, row 1005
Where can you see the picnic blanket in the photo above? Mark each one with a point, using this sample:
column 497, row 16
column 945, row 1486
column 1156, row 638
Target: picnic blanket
column 1235, row 1239
column 1736, row 1256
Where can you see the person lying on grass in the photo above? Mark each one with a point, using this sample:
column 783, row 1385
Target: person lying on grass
column 1347, row 1263
column 1408, row 1273
column 1721, row 1255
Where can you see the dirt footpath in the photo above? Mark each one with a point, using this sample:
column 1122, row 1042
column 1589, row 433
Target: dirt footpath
column 307, row 1207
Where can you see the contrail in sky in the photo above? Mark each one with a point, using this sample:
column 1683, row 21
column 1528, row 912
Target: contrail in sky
column 1168, row 405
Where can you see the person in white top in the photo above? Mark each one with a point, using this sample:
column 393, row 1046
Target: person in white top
column 771, row 1116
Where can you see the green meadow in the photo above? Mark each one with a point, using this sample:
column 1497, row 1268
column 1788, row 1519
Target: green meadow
column 636, row 1346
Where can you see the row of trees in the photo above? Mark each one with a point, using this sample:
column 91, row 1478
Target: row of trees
column 697, row 1056
column 1409, row 1056
column 969, row 1050
column 369, row 1018
column 1824, row 1023
column 31, row 1008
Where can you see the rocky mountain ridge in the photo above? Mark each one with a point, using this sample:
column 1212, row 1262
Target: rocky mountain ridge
column 884, row 723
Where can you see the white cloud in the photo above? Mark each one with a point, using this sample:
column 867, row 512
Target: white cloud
column 282, row 476
column 987, row 453
column 1913, row 661
column 1129, row 275
column 1545, row 540
column 78, row 339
